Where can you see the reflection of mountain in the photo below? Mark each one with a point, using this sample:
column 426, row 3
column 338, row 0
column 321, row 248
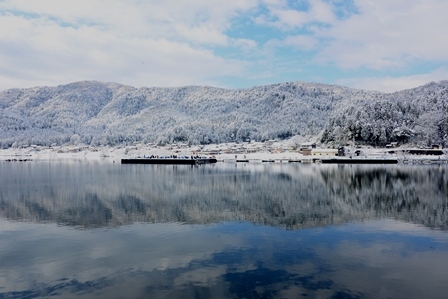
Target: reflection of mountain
column 291, row 196
column 414, row 194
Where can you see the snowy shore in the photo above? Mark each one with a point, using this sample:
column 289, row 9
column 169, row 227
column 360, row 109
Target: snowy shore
column 115, row 154
column 112, row 154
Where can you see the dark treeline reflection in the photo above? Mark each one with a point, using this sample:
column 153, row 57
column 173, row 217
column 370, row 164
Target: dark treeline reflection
column 92, row 194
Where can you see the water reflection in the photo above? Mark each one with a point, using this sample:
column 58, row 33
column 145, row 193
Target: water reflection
column 91, row 230
column 90, row 195
column 231, row 260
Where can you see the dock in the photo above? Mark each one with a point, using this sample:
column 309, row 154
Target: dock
column 359, row 161
column 318, row 160
column 170, row 161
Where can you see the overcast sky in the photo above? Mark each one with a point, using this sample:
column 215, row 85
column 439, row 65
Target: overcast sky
column 385, row 45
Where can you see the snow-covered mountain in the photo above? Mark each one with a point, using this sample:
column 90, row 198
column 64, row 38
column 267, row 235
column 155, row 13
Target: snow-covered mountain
column 98, row 113
column 418, row 116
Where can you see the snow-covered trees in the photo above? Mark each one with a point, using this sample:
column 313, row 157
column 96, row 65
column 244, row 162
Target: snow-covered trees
column 418, row 116
column 109, row 114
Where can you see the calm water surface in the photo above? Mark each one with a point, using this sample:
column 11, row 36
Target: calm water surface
column 102, row 230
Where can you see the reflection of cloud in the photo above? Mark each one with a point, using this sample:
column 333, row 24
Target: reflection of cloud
column 229, row 260
column 387, row 269
column 205, row 277
column 86, row 255
column 404, row 228
column 355, row 259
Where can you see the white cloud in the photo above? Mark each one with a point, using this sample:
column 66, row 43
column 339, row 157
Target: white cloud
column 244, row 43
column 321, row 11
column 51, row 54
column 376, row 35
column 202, row 35
column 387, row 34
column 303, row 42
column 132, row 42
column 283, row 17
column 171, row 42
column 288, row 18
column 127, row 14
column 391, row 84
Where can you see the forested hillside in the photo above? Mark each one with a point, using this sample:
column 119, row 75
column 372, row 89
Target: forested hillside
column 418, row 116
column 96, row 113
column 107, row 113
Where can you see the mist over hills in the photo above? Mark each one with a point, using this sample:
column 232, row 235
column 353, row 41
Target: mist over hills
column 97, row 113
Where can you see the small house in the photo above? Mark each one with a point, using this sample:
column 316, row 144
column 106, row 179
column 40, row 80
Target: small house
column 324, row 152
column 305, row 151
column 308, row 145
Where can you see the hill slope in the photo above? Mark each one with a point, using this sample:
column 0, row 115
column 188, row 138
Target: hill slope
column 108, row 113
column 418, row 116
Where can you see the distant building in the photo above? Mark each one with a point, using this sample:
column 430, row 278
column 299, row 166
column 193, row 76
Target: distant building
column 392, row 145
column 251, row 150
column 308, row 145
column 305, row 151
column 227, row 150
column 435, row 152
column 324, row 152
column 211, row 152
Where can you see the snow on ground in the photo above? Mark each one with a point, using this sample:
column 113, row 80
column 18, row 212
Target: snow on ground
column 112, row 154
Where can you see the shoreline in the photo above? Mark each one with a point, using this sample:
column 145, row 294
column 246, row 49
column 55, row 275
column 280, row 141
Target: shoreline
column 114, row 155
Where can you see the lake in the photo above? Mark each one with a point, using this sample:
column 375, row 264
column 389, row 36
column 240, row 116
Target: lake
column 89, row 229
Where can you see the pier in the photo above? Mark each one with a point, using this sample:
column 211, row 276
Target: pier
column 359, row 161
column 172, row 161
